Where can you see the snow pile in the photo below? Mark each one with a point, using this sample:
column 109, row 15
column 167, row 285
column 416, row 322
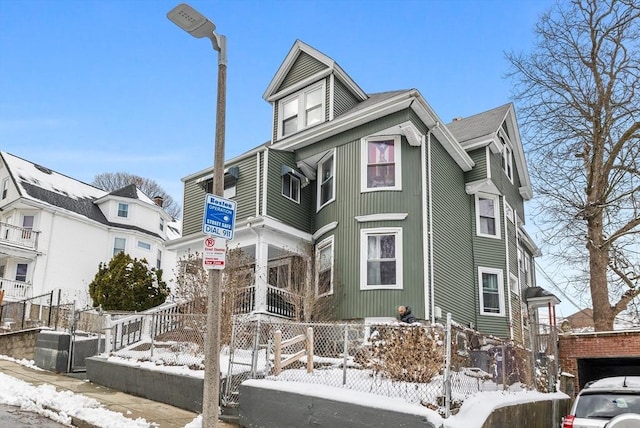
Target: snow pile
column 61, row 406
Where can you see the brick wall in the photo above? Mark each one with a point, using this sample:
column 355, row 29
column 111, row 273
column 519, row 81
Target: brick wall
column 596, row 345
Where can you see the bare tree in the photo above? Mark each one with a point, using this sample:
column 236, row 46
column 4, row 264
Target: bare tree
column 314, row 296
column 577, row 92
column 110, row 181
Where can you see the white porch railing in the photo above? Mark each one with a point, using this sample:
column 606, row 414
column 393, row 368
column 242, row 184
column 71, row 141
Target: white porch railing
column 19, row 236
column 15, row 289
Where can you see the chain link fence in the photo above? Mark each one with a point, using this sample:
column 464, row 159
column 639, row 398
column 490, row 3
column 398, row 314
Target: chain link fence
column 436, row 366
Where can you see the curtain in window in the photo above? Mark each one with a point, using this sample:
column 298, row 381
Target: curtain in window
column 381, row 262
column 490, row 293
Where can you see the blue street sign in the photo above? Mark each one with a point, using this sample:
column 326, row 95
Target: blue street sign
column 219, row 216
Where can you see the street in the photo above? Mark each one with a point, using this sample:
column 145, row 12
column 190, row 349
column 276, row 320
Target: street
column 14, row 417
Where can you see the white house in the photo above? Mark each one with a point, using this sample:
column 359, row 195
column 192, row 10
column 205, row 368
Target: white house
column 55, row 231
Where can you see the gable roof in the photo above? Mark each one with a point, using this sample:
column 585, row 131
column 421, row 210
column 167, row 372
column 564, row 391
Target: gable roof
column 479, row 125
column 482, row 129
column 274, row 92
column 44, row 186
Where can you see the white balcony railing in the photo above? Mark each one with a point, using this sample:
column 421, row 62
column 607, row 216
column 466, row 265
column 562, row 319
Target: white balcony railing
column 19, row 236
column 15, row 289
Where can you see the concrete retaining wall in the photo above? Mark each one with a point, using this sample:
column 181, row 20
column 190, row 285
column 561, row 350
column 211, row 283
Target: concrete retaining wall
column 170, row 388
column 19, row 344
column 539, row 414
column 52, row 351
column 263, row 405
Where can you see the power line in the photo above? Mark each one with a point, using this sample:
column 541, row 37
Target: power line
column 556, row 286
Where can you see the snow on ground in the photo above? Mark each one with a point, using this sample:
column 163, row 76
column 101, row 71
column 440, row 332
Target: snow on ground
column 474, row 411
column 41, row 399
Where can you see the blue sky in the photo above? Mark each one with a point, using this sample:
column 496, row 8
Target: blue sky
column 93, row 86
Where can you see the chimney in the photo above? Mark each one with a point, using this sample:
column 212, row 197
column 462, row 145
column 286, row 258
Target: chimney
column 159, row 200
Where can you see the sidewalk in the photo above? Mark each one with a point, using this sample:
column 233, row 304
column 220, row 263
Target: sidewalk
column 132, row 407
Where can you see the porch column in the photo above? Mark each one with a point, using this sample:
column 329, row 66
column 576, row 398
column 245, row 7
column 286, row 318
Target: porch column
column 262, row 255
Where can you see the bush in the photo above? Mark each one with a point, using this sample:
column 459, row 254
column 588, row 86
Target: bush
column 127, row 284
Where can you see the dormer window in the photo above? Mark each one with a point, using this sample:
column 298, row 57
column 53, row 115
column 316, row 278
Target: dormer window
column 123, row 210
column 301, row 110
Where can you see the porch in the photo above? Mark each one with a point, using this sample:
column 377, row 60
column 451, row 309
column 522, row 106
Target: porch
column 15, row 290
column 19, row 237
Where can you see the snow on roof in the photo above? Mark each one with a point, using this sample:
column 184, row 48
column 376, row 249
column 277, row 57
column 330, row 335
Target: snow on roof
column 25, row 172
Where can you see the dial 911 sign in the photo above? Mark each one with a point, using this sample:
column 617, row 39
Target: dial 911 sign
column 219, row 216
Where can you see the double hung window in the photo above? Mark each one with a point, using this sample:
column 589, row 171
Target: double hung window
column 507, row 159
column 487, row 216
column 324, row 267
column 119, row 245
column 381, row 163
column 301, row 110
column 381, row 258
column 491, row 291
column 326, row 182
column 123, row 210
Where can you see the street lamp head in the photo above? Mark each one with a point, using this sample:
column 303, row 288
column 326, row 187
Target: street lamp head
column 192, row 21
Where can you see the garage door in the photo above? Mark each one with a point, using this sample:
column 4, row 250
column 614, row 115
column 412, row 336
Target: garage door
column 596, row 368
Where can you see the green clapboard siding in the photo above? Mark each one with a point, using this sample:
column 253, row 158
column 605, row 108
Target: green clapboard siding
column 509, row 190
column 479, row 171
column 490, row 253
column 452, row 242
column 193, row 209
column 194, row 196
column 350, row 203
column 304, row 66
column 298, row 215
column 343, row 99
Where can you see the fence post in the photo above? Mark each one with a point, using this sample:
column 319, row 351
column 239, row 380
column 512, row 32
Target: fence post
column 277, row 359
column 108, row 345
column 152, row 331
column 24, row 312
column 310, row 350
column 345, row 354
column 447, row 370
column 503, row 363
column 256, row 348
column 50, row 308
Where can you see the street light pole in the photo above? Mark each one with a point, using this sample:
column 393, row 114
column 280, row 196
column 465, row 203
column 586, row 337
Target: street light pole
column 199, row 26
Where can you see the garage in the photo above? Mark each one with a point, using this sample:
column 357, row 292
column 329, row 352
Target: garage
column 597, row 368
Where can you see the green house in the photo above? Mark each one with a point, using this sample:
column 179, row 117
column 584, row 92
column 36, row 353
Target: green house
column 383, row 202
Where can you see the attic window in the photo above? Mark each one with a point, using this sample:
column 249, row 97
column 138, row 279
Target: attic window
column 301, row 110
column 43, row 169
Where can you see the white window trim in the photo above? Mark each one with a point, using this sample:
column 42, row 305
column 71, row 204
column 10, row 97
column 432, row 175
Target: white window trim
column 301, row 96
column 364, row 233
column 4, row 192
column 291, row 182
column 124, row 249
column 128, row 211
column 507, row 156
column 322, row 161
column 327, row 242
column 499, row 273
column 496, row 207
column 142, row 245
column 397, row 150
column 514, row 280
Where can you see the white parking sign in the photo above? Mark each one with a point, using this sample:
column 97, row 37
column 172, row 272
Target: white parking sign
column 219, row 216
